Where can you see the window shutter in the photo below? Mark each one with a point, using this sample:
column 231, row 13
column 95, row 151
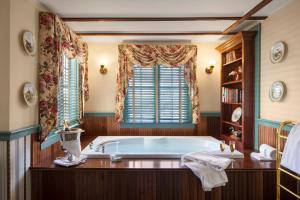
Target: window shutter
column 158, row 95
column 140, row 97
column 68, row 94
column 74, row 91
column 174, row 101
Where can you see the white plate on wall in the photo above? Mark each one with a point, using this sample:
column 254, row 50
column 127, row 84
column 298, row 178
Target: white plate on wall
column 29, row 43
column 277, row 91
column 30, row 94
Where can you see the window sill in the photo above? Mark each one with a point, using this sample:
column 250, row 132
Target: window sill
column 169, row 125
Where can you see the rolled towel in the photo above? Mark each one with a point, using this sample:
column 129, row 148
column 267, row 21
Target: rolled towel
column 267, row 151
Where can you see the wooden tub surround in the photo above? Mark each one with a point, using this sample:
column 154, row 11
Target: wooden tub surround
column 149, row 179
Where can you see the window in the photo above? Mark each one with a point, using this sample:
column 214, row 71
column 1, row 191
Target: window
column 158, row 95
column 68, row 94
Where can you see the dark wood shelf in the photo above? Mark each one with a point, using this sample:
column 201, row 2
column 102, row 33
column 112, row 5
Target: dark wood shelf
column 229, row 63
column 241, row 46
column 232, row 82
column 233, row 124
column 231, row 137
column 228, row 103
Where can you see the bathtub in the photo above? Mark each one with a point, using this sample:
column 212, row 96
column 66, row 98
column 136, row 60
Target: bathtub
column 155, row 147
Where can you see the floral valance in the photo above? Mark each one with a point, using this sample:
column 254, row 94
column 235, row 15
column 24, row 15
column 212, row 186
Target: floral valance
column 149, row 56
column 56, row 39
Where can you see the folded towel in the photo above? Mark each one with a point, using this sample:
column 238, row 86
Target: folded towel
column 290, row 158
column 216, row 162
column 259, row 156
column 208, row 168
column 63, row 161
column 267, row 151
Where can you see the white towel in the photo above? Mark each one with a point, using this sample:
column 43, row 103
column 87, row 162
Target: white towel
column 63, row 161
column 259, row 156
column 267, row 151
column 290, row 158
column 208, row 168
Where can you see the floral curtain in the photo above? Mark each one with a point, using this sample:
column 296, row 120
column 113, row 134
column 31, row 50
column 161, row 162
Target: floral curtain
column 149, row 56
column 56, row 39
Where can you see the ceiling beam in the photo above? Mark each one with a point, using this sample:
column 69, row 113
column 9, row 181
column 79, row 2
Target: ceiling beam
column 247, row 16
column 145, row 19
column 148, row 34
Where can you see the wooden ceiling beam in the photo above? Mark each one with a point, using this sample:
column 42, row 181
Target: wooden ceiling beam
column 148, row 34
column 247, row 16
column 139, row 19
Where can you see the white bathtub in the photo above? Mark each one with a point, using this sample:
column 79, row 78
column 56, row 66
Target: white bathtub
column 155, row 147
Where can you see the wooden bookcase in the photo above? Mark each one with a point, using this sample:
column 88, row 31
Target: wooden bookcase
column 237, row 56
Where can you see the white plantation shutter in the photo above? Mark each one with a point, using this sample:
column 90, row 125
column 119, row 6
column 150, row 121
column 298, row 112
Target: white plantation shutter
column 157, row 95
column 68, row 95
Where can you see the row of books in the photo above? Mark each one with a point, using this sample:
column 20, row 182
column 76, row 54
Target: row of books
column 230, row 56
column 231, row 95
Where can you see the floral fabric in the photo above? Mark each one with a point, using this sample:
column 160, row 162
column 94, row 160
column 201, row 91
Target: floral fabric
column 149, row 56
column 56, row 39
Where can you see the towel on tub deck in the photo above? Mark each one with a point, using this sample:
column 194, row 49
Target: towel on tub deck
column 208, row 168
column 290, row 158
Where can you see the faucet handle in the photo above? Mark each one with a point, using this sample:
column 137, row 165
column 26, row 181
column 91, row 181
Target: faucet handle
column 91, row 145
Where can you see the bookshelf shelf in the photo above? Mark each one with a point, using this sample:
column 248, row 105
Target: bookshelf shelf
column 232, row 62
column 228, row 103
column 237, row 88
column 233, row 124
column 232, row 82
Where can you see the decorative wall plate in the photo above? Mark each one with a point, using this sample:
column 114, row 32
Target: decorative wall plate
column 30, row 94
column 236, row 114
column 277, row 52
column 29, row 43
column 277, row 91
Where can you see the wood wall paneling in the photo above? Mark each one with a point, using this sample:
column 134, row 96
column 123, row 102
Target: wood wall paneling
column 148, row 185
column 38, row 155
column 267, row 135
column 107, row 126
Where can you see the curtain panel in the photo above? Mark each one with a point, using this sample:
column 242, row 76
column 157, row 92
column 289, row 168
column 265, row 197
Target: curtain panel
column 56, row 39
column 149, row 56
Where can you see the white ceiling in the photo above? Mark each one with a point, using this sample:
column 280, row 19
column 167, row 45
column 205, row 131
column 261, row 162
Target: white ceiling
column 155, row 8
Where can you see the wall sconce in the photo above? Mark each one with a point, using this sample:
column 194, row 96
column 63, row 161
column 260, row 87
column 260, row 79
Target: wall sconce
column 103, row 70
column 210, row 69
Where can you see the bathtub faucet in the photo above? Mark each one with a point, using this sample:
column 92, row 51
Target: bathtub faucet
column 101, row 146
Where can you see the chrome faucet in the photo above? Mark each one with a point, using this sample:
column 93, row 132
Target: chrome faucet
column 101, row 145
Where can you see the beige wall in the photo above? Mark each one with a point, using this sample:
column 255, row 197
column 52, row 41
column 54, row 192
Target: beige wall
column 282, row 26
column 4, row 64
column 23, row 68
column 103, row 87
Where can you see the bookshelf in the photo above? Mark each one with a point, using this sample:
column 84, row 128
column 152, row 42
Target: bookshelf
column 237, row 89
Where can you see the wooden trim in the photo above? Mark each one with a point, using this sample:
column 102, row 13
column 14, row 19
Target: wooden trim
column 150, row 19
column 247, row 16
column 111, row 114
column 148, row 34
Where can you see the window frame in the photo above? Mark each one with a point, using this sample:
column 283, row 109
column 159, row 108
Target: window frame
column 158, row 124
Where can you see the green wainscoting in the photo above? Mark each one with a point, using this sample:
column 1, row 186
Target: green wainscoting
column 272, row 124
column 22, row 132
